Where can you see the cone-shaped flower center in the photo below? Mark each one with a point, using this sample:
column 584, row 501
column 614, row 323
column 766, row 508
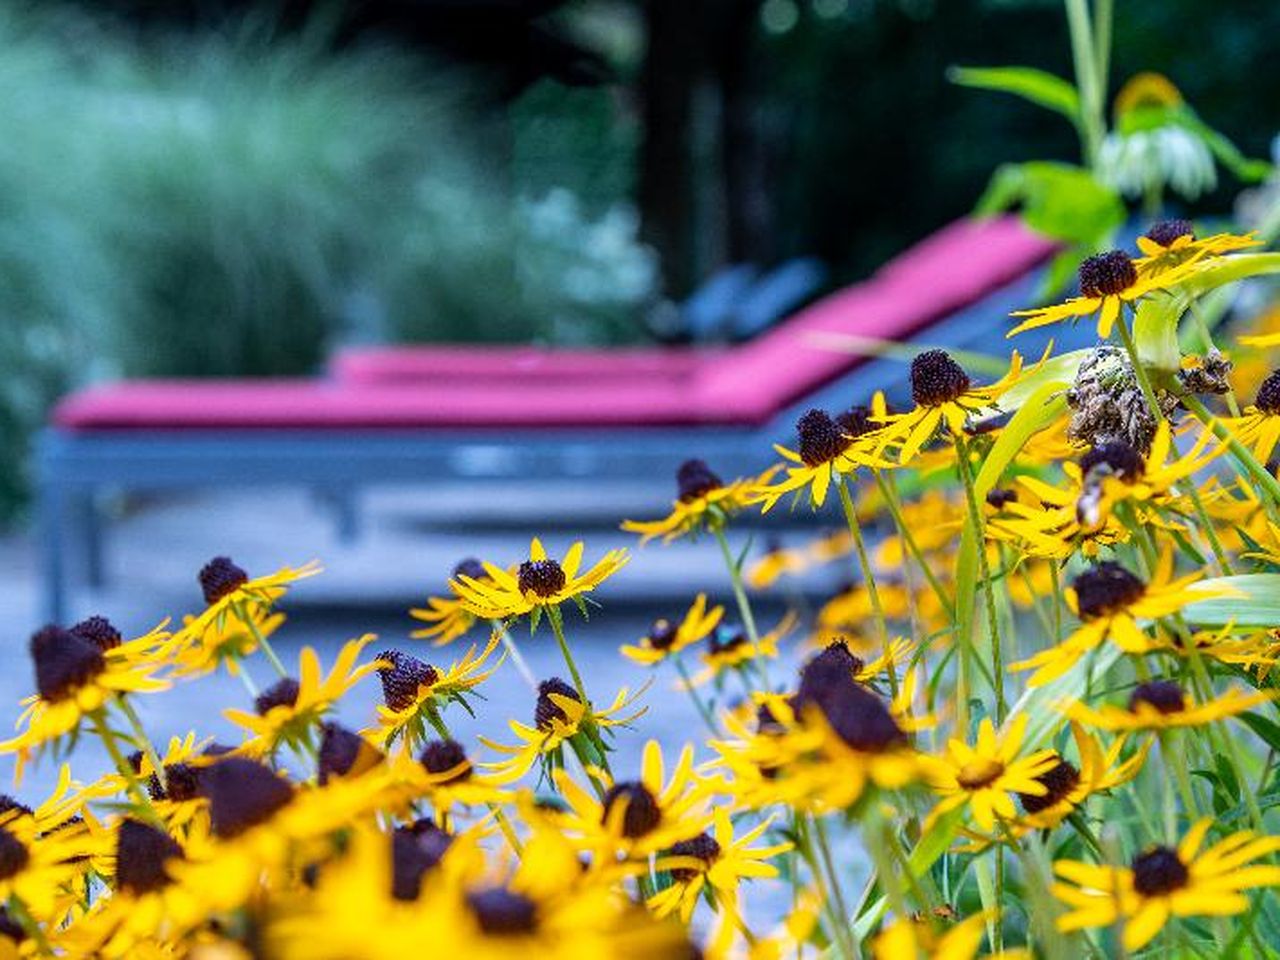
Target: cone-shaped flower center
column 663, row 634
column 99, row 631
column 936, row 379
column 64, row 662
column 343, row 751
column 13, row 854
column 821, row 438
column 642, row 811
column 547, row 709
column 1164, row 695
column 694, row 479
column 401, row 680
column 1117, row 457
column 1000, row 497
column 543, row 578
column 1268, row 398
column 1159, row 871
column 413, row 852
column 1167, row 231
column 1059, row 780
column 220, row 577
column 470, row 567
column 856, row 421
column 1107, row 274
column 1106, row 589
column 442, row 756
column 242, row 794
column 283, row 693
column 702, row 847
column 502, row 912
column 141, row 853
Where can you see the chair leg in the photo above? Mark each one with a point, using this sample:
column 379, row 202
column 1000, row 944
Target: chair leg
column 90, row 522
column 50, row 534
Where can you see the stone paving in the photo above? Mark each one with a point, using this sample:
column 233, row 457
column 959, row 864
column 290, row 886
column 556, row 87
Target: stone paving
column 408, row 543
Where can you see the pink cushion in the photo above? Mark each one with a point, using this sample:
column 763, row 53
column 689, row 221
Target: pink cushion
column 312, row 404
column 375, row 365
column 943, row 274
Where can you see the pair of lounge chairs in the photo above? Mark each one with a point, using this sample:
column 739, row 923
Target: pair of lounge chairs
column 426, row 414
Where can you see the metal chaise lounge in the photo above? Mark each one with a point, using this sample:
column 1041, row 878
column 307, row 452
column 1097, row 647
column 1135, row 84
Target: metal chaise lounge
column 421, row 415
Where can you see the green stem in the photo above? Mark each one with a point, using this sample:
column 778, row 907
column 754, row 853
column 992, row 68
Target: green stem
column 701, row 707
column 1139, row 371
column 984, row 570
column 18, row 909
column 557, row 627
column 522, row 666
column 122, row 765
column 142, row 741
column 868, row 578
column 1242, row 453
column 1084, row 58
column 247, row 619
column 895, row 510
column 827, row 878
column 739, row 591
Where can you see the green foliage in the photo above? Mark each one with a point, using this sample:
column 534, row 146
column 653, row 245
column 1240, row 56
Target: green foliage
column 1038, row 86
column 1057, row 199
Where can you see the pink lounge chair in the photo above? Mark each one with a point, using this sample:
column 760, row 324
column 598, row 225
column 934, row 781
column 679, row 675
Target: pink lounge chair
column 439, row 412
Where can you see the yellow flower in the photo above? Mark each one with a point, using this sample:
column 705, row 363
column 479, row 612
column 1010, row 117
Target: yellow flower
column 444, row 773
column 911, row 938
column 982, row 777
column 200, row 648
column 1108, row 281
column 1258, row 427
column 558, row 716
column 729, row 648
column 1161, row 705
column 778, row 561
column 828, row 447
column 635, row 818
column 1164, row 882
column 713, row 861
column 175, row 796
column 944, row 396
column 665, row 639
column 704, row 501
column 448, row 616
column 412, row 689
column 1110, row 601
column 1171, row 243
column 538, row 584
column 289, row 709
column 75, row 678
column 228, row 588
column 39, row 869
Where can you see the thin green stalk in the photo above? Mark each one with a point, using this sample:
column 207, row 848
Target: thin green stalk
column 890, row 495
column 18, row 910
column 701, row 707
column 1083, row 54
column 1139, row 371
column 122, row 765
column 739, row 591
column 508, row 832
column 868, row 578
column 522, row 666
column 557, row 627
column 142, row 741
column 247, row 619
column 984, row 570
column 1103, row 15
column 1242, row 453
column 828, row 880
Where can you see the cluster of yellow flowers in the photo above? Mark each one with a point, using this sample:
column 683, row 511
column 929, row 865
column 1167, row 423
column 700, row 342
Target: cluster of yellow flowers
column 1038, row 720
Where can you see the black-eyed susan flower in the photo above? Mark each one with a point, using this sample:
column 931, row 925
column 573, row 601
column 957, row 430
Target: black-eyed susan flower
column 37, row 871
column 1162, row 705
column 559, row 715
column 201, row 647
column 1110, row 601
column 912, row 938
column 443, row 772
column 728, row 648
column 412, row 689
column 227, row 587
column 828, row 447
column 1068, row 785
column 1171, row 243
column 1164, row 882
column 75, row 680
column 985, row 777
column 703, row 501
column 537, row 584
column 448, row 617
column 636, row 818
column 174, row 789
column 1108, row 281
column 714, row 863
column 944, row 396
column 286, row 712
column 665, row 639
column 1258, row 426
column 778, row 561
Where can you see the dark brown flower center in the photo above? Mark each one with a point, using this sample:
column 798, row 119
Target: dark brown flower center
column 856, row 421
column 10, row 805
column 663, row 634
column 1106, row 589
column 725, row 639
column 220, row 577
column 547, row 710
column 181, row 780
column 1059, row 780
column 343, row 751
column 702, row 847
column 242, row 794
column 443, row 756
column 937, row 379
column 1116, row 458
column 1167, row 231
column 642, row 814
column 694, row 479
column 1107, row 274
column 1159, row 871
column 821, row 438
column 13, row 855
column 141, row 854
column 469, row 567
column 1164, row 695
column 283, row 693
column 100, row 632
column 543, row 578
column 64, row 662
column 1268, row 398
column 413, row 852
column 502, row 912
column 403, row 678
column 1000, row 497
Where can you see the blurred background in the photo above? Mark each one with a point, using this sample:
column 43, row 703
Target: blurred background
column 230, row 188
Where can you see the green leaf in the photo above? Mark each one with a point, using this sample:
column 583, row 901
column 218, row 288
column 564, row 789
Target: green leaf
column 1058, row 372
column 1255, row 603
column 1057, row 199
column 1225, row 270
column 1043, row 89
column 1227, row 153
column 1043, row 704
column 1155, row 333
column 926, row 853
